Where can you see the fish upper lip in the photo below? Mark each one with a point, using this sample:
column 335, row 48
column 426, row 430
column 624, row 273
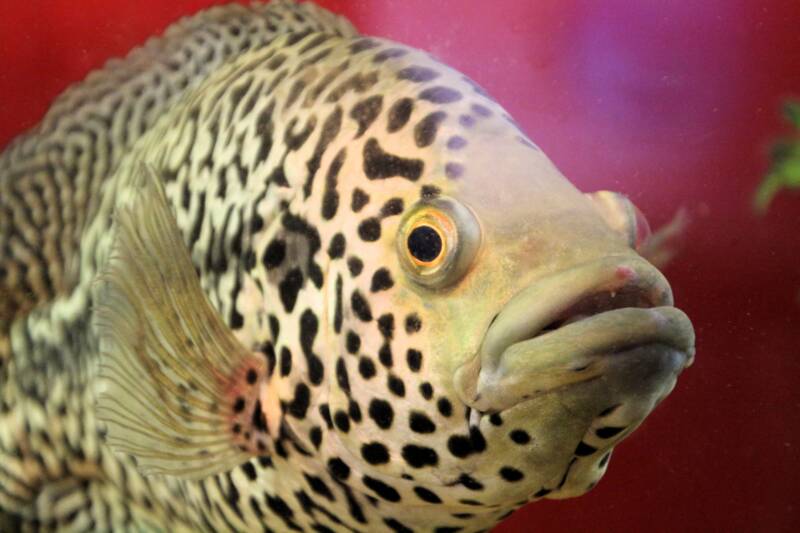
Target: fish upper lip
column 548, row 332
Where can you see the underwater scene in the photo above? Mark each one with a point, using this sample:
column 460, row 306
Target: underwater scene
column 359, row 265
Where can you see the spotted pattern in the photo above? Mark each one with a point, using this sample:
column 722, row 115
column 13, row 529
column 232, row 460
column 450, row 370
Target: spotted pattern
column 290, row 149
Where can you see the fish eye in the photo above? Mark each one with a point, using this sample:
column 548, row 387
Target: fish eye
column 437, row 242
column 425, row 244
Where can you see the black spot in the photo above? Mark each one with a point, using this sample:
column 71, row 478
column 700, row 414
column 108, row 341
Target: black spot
column 445, row 407
column 397, row 526
column 354, row 411
column 337, row 313
column 414, row 359
column 330, row 198
column 389, row 53
column 393, row 206
column 413, row 323
column 341, row 375
column 238, row 405
column 309, row 325
column 426, row 129
column 420, row 456
column 495, row 419
column 429, row 192
column 477, row 439
column 299, row 404
column 396, row 385
column 362, row 44
column 274, row 327
column 381, row 280
column 520, row 436
column 381, row 412
column 399, row 114
column 342, row 421
column 583, row 449
column 420, row 423
column 370, row 229
column 325, row 413
column 386, row 325
column 511, row 474
column 426, row 389
column 375, row 453
column 359, row 200
column 470, row 482
column 366, row 368
column 319, row 486
column 288, row 288
column 426, row 495
column 336, row 246
column 417, row 74
column 608, row 431
column 385, row 355
column 286, row 361
column 440, row 95
column 381, row 165
column 338, row 468
column 352, row 342
column 315, row 435
column 466, row 120
column 252, row 376
column 447, row 529
column 381, row 489
column 360, row 306
column 365, row 112
column 258, row 420
column 278, row 506
column 274, row 254
column 354, row 265
column 459, row 445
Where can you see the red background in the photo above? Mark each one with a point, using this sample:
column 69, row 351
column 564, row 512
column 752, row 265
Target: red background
column 672, row 102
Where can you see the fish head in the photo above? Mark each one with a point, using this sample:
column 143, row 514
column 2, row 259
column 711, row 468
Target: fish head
column 494, row 332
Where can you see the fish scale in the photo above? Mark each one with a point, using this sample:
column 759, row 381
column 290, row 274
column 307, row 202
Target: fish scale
column 223, row 332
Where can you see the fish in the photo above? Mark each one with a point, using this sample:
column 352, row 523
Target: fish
column 266, row 273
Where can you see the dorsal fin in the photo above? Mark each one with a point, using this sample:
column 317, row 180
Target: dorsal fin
column 177, row 390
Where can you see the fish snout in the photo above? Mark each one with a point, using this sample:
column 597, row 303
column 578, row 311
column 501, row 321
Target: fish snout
column 568, row 327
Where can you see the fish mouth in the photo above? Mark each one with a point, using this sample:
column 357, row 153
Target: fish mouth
column 569, row 327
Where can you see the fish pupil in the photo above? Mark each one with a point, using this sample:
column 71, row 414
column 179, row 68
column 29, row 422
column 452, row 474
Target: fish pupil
column 424, row 243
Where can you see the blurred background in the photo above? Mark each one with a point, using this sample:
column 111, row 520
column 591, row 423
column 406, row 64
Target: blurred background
column 674, row 103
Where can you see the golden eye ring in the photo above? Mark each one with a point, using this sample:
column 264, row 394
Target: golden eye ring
column 437, row 241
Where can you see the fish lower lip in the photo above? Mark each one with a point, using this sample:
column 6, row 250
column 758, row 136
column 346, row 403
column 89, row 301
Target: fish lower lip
column 577, row 351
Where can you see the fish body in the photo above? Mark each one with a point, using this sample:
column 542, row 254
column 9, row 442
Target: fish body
column 299, row 279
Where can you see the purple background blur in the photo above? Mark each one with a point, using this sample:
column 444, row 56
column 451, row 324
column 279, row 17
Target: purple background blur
column 672, row 102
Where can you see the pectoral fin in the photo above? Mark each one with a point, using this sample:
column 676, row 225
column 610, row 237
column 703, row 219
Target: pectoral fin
column 177, row 390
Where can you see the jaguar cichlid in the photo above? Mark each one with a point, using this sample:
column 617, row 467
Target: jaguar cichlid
column 266, row 274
